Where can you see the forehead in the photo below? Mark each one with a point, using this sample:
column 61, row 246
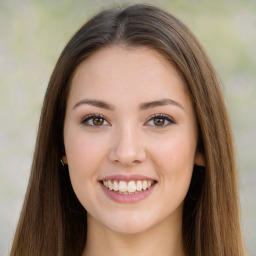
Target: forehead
column 127, row 72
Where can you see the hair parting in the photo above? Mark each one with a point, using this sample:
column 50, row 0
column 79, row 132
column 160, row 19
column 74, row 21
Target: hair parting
column 53, row 222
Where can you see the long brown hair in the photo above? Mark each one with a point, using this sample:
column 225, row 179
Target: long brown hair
column 52, row 220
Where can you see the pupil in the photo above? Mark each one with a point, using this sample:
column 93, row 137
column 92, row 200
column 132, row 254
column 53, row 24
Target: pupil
column 159, row 121
column 98, row 121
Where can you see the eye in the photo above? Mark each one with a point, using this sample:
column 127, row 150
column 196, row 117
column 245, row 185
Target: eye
column 160, row 120
column 95, row 120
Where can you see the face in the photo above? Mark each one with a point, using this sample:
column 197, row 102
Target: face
column 130, row 137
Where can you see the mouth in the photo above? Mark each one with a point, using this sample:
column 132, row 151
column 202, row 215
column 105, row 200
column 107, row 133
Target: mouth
column 128, row 187
column 124, row 190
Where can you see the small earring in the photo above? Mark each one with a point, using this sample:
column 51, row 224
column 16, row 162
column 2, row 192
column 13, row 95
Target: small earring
column 62, row 162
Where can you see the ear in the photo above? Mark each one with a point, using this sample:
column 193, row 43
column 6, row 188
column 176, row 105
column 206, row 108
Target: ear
column 64, row 159
column 199, row 159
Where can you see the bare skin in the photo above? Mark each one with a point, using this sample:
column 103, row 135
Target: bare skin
column 128, row 116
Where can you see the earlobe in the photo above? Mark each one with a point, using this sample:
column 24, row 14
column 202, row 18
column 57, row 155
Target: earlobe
column 199, row 159
column 64, row 159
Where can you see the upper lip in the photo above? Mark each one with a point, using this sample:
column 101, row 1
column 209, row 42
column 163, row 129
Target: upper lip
column 122, row 177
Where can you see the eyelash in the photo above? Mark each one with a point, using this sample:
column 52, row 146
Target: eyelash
column 90, row 117
column 86, row 119
column 164, row 117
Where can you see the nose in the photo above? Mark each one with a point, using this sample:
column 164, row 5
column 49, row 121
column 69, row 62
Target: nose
column 127, row 148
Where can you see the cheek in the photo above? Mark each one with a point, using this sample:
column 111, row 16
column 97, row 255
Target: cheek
column 173, row 152
column 84, row 156
column 83, row 152
column 174, row 159
column 83, row 160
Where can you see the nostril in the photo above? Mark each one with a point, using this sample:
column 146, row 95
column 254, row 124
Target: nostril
column 127, row 151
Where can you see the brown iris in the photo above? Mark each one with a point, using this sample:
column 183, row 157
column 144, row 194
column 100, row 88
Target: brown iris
column 159, row 121
column 98, row 121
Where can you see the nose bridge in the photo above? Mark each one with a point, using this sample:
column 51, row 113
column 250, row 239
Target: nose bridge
column 127, row 147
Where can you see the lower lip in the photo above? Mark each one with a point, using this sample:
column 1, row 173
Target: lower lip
column 127, row 198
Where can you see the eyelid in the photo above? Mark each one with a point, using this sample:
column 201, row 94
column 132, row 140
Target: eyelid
column 90, row 116
column 159, row 115
column 164, row 116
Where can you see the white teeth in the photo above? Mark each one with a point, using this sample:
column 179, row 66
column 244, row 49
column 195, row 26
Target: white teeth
column 139, row 185
column 144, row 185
column 122, row 186
column 128, row 187
column 131, row 187
column 115, row 185
column 110, row 186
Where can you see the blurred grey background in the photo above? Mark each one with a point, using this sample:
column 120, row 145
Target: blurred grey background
column 32, row 36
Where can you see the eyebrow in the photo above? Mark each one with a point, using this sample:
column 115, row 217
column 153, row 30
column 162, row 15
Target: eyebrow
column 95, row 103
column 163, row 102
column 142, row 106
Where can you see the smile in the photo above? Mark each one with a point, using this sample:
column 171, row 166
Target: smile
column 131, row 187
column 123, row 189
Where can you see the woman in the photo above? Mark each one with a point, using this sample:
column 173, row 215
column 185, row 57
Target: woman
column 134, row 154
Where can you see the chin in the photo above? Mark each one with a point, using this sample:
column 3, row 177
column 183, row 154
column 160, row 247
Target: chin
column 130, row 224
column 129, row 229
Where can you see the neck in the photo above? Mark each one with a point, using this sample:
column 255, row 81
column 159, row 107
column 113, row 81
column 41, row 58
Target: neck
column 165, row 239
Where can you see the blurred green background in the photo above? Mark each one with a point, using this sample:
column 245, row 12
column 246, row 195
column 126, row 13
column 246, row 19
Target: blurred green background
column 32, row 35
